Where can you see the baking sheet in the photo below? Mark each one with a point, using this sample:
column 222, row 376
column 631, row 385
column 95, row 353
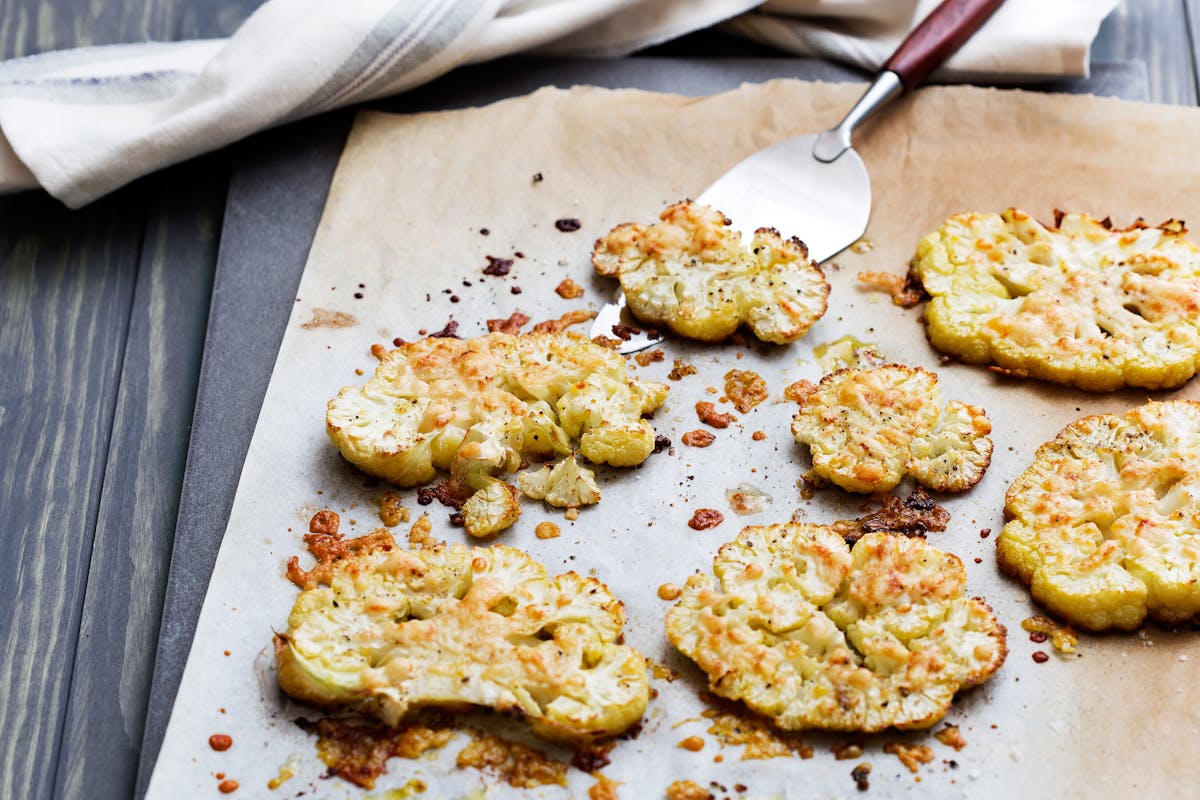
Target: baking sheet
column 592, row 147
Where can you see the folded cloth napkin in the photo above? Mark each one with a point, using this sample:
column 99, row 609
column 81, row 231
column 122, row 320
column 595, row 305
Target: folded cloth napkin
column 81, row 123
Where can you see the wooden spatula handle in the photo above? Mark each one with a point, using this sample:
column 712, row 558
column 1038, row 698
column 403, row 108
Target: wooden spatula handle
column 938, row 37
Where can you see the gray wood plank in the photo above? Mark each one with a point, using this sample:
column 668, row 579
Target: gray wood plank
column 1155, row 32
column 1192, row 10
column 65, row 291
column 252, row 298
column 93, row 699
column 122, row 608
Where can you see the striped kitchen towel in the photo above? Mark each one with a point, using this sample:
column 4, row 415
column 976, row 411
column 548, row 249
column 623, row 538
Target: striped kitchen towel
column 80, row 123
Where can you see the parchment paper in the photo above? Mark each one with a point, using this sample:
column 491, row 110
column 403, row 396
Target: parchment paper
column 403, row 228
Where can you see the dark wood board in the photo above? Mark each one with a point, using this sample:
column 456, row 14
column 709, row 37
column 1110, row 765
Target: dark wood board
column 102, row 315
column 275, row 201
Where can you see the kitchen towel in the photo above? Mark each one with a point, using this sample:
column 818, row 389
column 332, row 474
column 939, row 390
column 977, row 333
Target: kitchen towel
column 80, row 123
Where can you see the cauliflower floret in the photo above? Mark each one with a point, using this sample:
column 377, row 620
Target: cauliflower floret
column 565, row 485
column 605, row 415
column 1079, row 303
column 814, row 634
column 491, row 509
column 479, row 407
column 386, row 631
column 1104, row 527
column 691, row 273
column 868, row 428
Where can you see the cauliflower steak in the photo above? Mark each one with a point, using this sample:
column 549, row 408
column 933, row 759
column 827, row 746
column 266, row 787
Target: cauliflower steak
column 1079, row 303
column 691, row 272
column 814, row 634
column 868, row 428
column 1104, row 527
column 481, row 407
column 387, row 630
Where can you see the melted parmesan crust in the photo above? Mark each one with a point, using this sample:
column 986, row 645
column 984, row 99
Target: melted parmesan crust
column 1079, row 303
column 493, row 401
column 868, row 428
column 814, row 634
column 392, row 630
column 690, row 272
column 1105, row 525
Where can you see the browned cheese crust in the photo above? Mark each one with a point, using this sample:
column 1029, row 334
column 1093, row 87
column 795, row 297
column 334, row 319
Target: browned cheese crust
column 814, row 634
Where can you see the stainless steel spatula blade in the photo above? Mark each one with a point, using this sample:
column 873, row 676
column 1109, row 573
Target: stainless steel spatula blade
column 784, row 187
column 816, row 187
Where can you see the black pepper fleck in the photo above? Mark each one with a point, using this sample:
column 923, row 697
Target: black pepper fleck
column 568, row 224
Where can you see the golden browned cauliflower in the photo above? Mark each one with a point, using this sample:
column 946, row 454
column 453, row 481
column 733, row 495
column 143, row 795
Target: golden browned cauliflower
column 479, row 407
column 1104, row 527
column 813, row 634
column 691, row 272
column 868, row 428
column 385, row 630
column 494, row 507
column 564, row 485
column 1079, row 303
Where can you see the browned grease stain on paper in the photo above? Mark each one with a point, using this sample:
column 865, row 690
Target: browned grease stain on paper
column 328, row 318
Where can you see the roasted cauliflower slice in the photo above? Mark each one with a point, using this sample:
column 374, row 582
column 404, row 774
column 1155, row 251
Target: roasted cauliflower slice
column 564, row 485
column 480, row 407
column 386, row 631
column 691, row 272
column 494, row 507
column 1078, row 303
column 814, row 634
column 868, row 428
column 1104, row 527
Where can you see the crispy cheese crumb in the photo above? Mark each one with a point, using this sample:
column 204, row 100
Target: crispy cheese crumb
column 648, row 357
column 911, row 756
column 680, row 370
column 391, row 510
column 568, row 289
column 669, row 591
column 687, row 790
column 745, row 389
column 1064, row 639
column 951, row 737
column 547, row 530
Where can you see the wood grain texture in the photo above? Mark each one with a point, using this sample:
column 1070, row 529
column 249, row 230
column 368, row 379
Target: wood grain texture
column 1156, row 32
column 66, row 301
column 1191, row 10
column 118, row 636
column 65, row 292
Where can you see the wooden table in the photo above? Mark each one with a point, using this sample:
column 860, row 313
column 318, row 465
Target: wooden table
column 103, row 316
